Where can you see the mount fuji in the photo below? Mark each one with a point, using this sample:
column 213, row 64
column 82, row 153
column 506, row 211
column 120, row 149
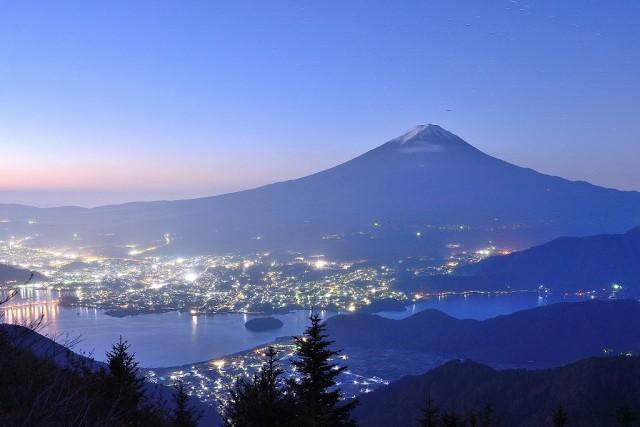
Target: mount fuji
column 411, row 196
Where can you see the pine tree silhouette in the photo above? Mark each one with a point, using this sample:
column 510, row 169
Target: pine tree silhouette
column 126, row 381
column 430, row 417
column 262, row 401
column 316, row 397
column 183, row 415
column 560, row 418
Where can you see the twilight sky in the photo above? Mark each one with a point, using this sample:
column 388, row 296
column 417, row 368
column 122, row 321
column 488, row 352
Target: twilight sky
column 113, row 101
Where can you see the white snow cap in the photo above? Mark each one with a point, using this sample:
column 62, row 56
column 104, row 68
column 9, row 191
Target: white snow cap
column 424, row 138
column 424, row 133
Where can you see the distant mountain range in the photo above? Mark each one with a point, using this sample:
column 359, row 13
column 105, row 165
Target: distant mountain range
column 591, row 392
column 605, row 263
column 542, row 336
column 409, row 197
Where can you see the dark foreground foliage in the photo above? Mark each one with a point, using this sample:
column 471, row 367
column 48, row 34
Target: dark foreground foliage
column 60, row 388
column 309, row 400
column 599, row 391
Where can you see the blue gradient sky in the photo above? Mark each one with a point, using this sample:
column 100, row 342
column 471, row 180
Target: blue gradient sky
column 110, row 101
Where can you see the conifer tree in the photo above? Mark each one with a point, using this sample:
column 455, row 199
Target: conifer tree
column 183, row 415
column 625, row 416
column 317, row 400
column 430, row 416
column 127, row 382
column 472, row 417
column 451, row 419
column 486, row 416
column 260, row 402
column 560, row 418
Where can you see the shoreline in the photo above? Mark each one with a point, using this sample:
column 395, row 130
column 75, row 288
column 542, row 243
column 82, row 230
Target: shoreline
column 125, row 312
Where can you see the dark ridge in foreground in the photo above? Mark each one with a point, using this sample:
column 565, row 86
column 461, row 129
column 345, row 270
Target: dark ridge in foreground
column 45, row 383
column 550, row 335
column 591, row 391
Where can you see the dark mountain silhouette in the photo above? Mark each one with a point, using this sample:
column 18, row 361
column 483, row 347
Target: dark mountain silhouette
column 13, row 275
column 589, row 390
column 605, row 263
column 427, row 180
column 46, row 348
column 549, row 335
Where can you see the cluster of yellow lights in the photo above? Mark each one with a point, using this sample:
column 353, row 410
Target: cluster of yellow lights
column 319, row 264
column 141, row 251
column 191, row 276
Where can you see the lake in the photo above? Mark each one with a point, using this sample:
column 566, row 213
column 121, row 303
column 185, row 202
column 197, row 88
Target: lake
column 174, row 338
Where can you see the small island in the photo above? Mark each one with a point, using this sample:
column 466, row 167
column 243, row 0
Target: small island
column 260, row 324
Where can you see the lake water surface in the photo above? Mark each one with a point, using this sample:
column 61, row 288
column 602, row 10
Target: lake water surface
column 174, row 338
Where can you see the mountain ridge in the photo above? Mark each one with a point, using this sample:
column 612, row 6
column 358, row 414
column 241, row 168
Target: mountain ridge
column 605, row 264
column 590, row 391
column 548, row 335
column 432, row 181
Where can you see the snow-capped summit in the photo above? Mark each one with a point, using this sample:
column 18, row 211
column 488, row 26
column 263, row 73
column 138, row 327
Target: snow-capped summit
column 411, row 196
column 426, row 138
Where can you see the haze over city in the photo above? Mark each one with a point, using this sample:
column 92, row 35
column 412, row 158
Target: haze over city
column 114, row 102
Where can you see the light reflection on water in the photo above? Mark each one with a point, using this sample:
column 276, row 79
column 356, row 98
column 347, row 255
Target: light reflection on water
column 30, row 304
column 174, row 338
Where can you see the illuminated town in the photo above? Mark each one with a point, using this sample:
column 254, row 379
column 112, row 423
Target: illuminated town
column 143, row 283
column 212, row 284
column 210, row 381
